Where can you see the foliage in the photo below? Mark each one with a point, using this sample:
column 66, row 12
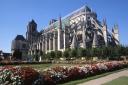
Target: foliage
column 52, row 54
column 101, row 52
column 73, row 53
column 81, row 52
column 48, row 55
column 17, row 55
column 58, row 54
column 66, row 53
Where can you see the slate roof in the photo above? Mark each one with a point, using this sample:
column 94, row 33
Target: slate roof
column 20, row 37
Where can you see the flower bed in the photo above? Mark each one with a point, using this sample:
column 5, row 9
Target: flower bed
column 15, row 75
column 63, row 74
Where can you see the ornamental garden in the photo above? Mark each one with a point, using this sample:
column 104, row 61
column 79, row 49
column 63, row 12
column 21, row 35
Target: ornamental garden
column 59, row 67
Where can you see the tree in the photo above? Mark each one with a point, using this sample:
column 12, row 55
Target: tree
column 48, row 55
column 58, row 54
column 66, row 53
column 123, row 51
column 36, row 55
column 52, row 54
column 81, row 52
column 88, row 53
column 17, row 55
column 42, row 54
column 126, row 51
column 106, row 52
column 73, row 53
column 94, row 52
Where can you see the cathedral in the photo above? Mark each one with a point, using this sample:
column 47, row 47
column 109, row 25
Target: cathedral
column 81, row 28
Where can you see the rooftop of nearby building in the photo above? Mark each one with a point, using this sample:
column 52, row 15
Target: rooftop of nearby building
column 20, row 37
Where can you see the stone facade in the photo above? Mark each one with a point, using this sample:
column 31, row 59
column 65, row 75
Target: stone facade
column 20, row 44
column 80, row 28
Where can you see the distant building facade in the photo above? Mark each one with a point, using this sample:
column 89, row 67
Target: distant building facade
column 5, row 56
column 21, row 45
column 80, row 28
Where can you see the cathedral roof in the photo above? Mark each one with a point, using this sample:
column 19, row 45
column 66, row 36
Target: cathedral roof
column 32, row 22
column 20, row 37
column 65, row 20
column 87, row 8
column 0, row 51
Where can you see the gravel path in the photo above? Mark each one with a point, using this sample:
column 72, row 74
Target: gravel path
column 106, row 79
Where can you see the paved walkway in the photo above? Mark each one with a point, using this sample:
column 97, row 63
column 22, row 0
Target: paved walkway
column 106, row 79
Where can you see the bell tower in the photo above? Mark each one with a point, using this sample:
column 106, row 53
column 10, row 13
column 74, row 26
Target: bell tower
column 31, row 30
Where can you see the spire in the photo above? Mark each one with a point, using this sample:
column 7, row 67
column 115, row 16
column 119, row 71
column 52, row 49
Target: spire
column 104, row 22
column 112, row 30
column 32, row 22
column 116, row 27
column 87, row 9
column 60, row 23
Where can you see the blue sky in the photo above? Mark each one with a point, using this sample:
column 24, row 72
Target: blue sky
column 15, row 15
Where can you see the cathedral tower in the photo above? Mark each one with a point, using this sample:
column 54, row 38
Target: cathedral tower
column 31, row 31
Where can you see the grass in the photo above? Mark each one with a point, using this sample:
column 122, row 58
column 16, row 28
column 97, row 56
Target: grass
column 44, row 66
column 75, row 82
column 119, row 81
column 38, row 66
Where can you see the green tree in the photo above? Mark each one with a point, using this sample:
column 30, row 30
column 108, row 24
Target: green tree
column 58, row 54
column 48, row 55
column 97, row 52
column 126, row 51
column 36, row 55
column 17, row 55
column 74, row 53
column 42, row 54
column 82, row 52
column 66, row 53
column 123, row 50
column 52, row 54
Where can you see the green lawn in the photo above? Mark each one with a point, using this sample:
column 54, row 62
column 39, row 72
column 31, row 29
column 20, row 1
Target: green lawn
column 75, row 82
column 38, row 66
column 119, row 81
column 44, row 66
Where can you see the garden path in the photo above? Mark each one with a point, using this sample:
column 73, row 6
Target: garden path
column 105, row 79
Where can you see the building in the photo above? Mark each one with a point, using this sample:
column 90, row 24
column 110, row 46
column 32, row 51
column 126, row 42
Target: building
column 80, row 28
column 5, row 56
column 20, row 44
